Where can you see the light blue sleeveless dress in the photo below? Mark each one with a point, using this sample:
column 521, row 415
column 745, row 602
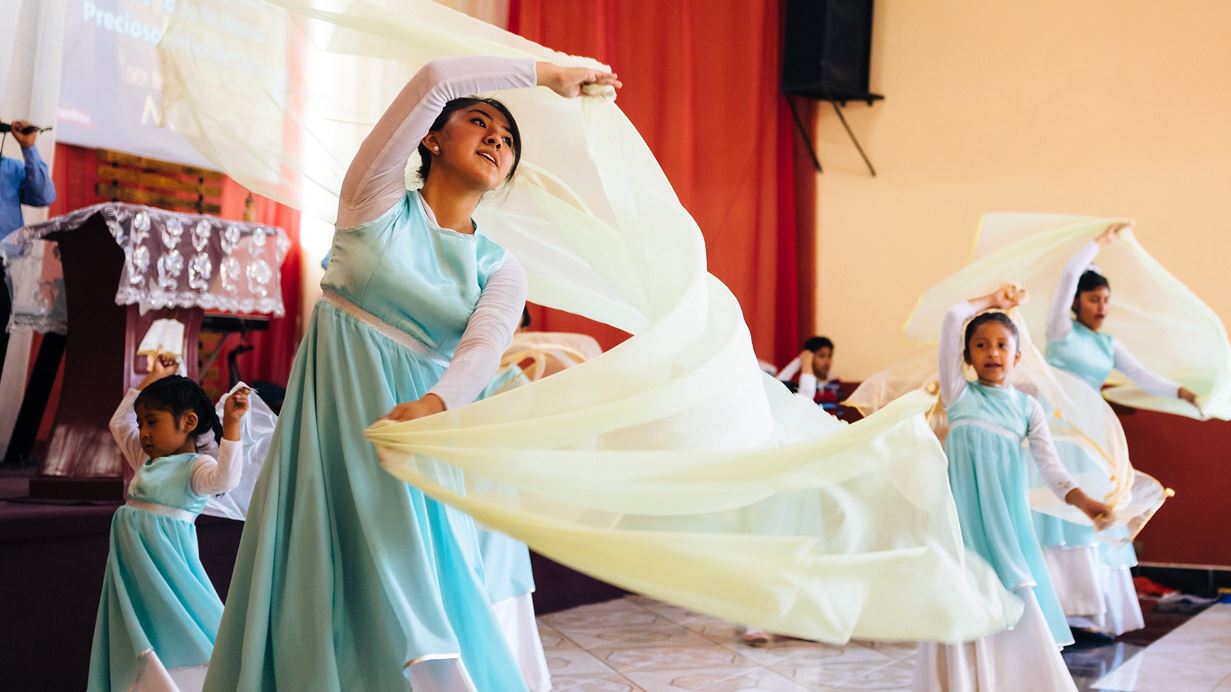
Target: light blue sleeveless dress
column 990, row 484
column 156, row 595
column 1089, row 355
column 345, row 576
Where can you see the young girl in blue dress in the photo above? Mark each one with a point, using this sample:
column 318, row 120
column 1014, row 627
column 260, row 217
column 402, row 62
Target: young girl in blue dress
column 159, row 613
column 988, row 421
column 1092, row 577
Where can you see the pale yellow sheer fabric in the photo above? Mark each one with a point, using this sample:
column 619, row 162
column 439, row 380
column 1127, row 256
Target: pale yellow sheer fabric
column 669, row 465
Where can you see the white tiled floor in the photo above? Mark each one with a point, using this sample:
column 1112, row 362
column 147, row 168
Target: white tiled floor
column 636, row 643
column 1195, row 656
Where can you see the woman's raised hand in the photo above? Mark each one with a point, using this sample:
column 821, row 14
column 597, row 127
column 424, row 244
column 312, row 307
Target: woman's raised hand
column 569, row 81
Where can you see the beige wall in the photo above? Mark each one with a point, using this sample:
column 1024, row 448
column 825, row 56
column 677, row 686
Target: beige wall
column 1094, row 107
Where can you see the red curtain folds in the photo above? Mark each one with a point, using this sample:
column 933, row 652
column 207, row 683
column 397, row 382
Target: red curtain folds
column 701, row 85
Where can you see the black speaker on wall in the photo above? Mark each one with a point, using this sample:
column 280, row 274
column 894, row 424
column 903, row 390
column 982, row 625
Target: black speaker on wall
column 827, row 49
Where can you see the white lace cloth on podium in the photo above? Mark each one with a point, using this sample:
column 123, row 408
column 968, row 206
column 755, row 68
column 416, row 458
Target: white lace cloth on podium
column 171, row 259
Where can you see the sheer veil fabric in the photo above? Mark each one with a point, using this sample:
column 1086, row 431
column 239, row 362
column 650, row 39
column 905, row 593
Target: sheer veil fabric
column 669, row 465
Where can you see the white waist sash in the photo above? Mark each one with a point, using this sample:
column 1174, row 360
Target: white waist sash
column 395, row 335
column 181, row 514
column 986, row 425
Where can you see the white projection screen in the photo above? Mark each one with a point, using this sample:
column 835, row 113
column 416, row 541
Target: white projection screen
column 112, row 81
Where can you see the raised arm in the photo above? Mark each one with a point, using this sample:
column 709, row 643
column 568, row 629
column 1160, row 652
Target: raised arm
column 36, row 188
column 789, row 370
column 1059, row 323
column 488, row 334
column 952, row 360
column 213, row 476
column 124, row 430
column 807, row 386
column 375, row 180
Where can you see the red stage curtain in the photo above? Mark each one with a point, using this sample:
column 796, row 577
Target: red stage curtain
column 701, row 85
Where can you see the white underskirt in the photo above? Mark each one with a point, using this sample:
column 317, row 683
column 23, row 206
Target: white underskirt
column 443, row 673
column 1023, row 659
column 1076, row 572
column 1122, row 610
column 521, row 631
column 516, row 619
column 154, row 677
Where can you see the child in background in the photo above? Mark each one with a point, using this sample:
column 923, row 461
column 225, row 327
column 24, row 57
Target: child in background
column 813, row 366
column 159, row 613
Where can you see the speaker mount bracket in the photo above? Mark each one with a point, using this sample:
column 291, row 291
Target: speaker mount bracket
column 838, row 100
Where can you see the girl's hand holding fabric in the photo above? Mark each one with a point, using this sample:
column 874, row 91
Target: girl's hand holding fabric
column 1112, row 232
column 1097, row 511
column 418, row 408
column 568, row 81
column 233, row 412
column 1008, row 297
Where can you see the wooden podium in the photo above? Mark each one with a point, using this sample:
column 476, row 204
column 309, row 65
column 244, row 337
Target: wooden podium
column 96, row 251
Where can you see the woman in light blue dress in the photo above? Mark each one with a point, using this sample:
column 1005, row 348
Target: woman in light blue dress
column 1092, row 577
column 989, row 420
column 347, row 579
column 159, row 613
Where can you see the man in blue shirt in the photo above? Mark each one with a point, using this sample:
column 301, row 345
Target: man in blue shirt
column 21, row 182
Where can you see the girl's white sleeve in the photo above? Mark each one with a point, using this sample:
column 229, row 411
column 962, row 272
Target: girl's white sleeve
column 124, row 430
column 1059, row 324
column 952, row 362
column 1043, row 448
column 213, row 476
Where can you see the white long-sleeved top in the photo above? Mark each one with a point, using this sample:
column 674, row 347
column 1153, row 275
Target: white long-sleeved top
column 210, row 476
column 375, row 182
column 953, row 385
column 1060, row 325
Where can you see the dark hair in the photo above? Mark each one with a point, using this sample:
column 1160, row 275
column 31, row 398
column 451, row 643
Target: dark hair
column 816, row 343
column 425, row 156
column 525, row 318
column 1090, row 281
column 984, row 318
column 179, row 395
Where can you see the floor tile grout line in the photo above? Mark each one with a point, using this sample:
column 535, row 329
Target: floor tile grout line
column 582, row 648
